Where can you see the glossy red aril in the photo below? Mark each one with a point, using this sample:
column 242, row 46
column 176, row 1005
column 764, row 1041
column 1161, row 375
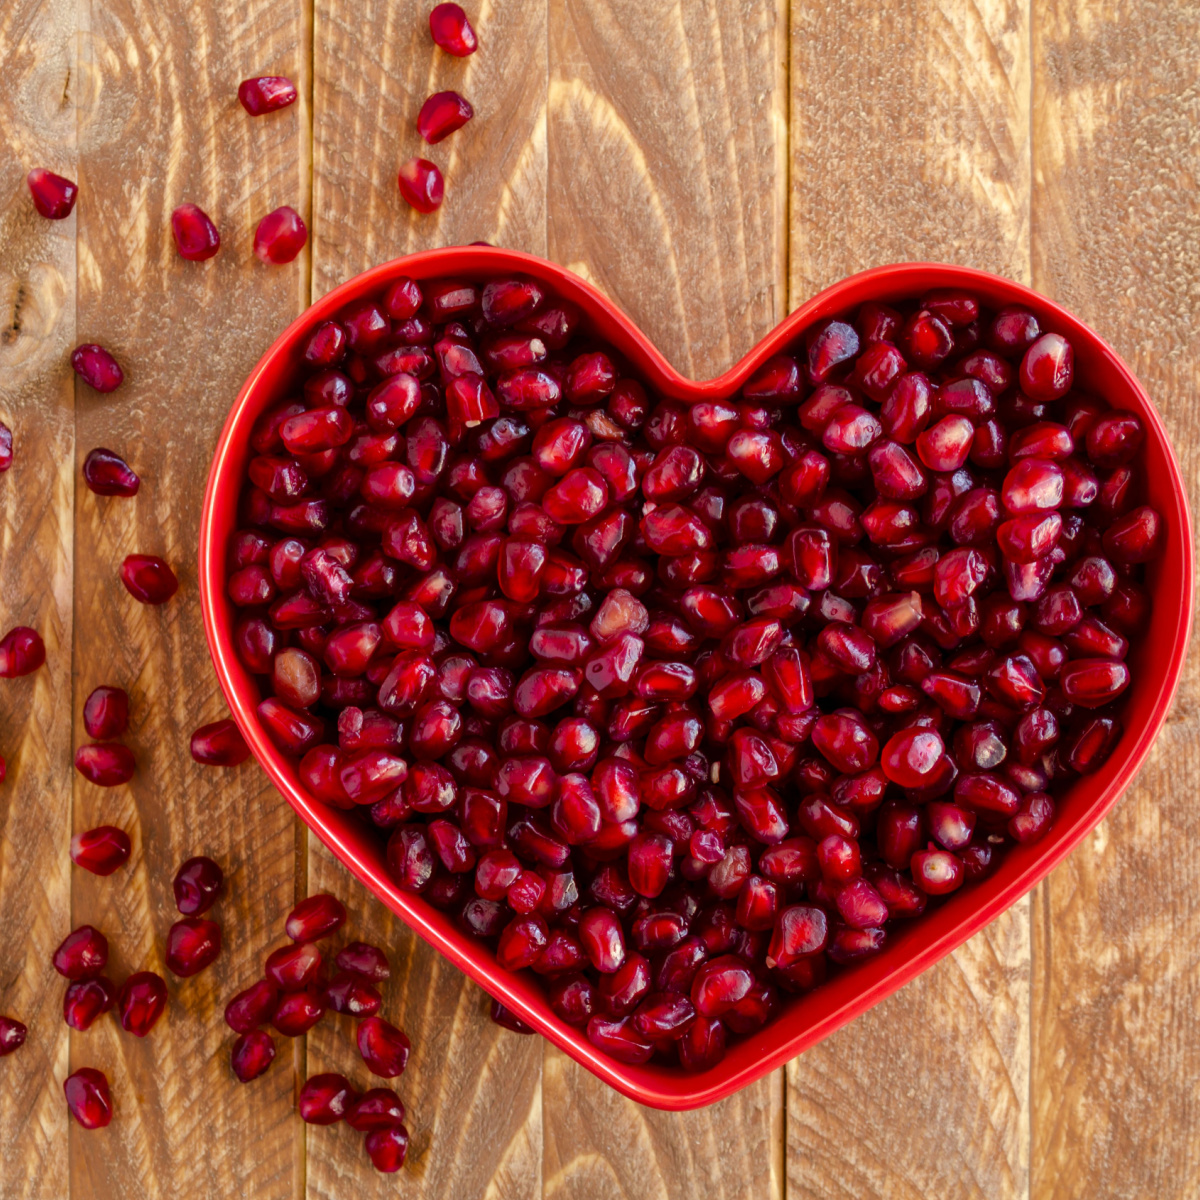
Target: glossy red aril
column 347, row 993
column 141, row 1001
column 387, row 1148
column 82, row 954
column 297, row 1013
column 1047, row 368
column 252, row 1054
column 12, row 1035
column 101, row 850
column 197, row 885
column 86, row 1000
column 441, row 115
column 192, row 945
column 266, row 93
column 280, row 236
column 219, row 745
column 377, row 1108
column 364, row 960
column 314, row 918
column 88, row 1098
column 452, row 31
column 252, row 1007
column 106, row 712
column 421, row 184
column 106, row 764
column 384, row 1048
column 53, row 195
column 325, row 1099
column 22, row 651
column 196, row 237
column 148, row 579
column 936, row 872
column 96, row 367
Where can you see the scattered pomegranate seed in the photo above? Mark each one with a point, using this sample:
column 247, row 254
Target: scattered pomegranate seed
column 13, row 1034
column 421, row 184
column 141, row 1001
column 452, row 31
column 508, row 1019
column 315, row 918
column 192, row 945
column 101, row 850
column 88, row 1098
column 325, row 1099
column 148, row 579
column 196, row 237
column 366, row 961
column 197, row 885
column 383, row 1047
column 53, row 196
column 219, row 745
column 378, row 1108
column 253, row 1007
column 441, row 115
column 22, row 651
column 106, row 713
column 252, row 1054
column 387, row 1148
column 96, row 367
column 297, row 1013
column 107, row 474
column 6, row 447
column 280, row 236
column 106, row 764
column 87, row 999
column 82, row 954
column 266, row 93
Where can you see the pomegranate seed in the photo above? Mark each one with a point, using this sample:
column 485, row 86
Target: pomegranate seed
column 219, row 745
column 452, row 31
column 53, row 196
column 107, row 474
column 508, row 1019
column 101, row 850
column 280, row 236
column 105, row 712
column 387, row 1148
column 96, row 367
column 6, row 447
column 1047, row 368
column 192, row 945
column 252, row 1007
column 88, row 1098
column 375, row 1109
column 108, row 764
column 148, row 579
column 141, row 1001
column 12, row 1035
column 86, row 1000
column 421, row 184
column 197, row 885
column 440, row 116
column 349, row 994
column 383, row 1047
column 266, row 93
column 297, row 1013
column 325, row 1099
column 22, row 651
column 315, row 918
column 252, row 1054
column 196, row 237
column 936, row 872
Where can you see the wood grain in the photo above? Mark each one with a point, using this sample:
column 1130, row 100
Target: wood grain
column 914, row 145
column 1116, row 238
column 159, row 125
column 37, row 328
column 473, row 1090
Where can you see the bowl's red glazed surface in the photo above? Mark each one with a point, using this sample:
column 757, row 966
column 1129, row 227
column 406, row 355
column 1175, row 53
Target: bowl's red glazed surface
column 912, row 947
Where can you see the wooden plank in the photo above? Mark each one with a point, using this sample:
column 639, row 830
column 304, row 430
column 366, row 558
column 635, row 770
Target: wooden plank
column 37, row 329
column 159, row 125
column 667, row 131
column 1116, row 232
column 910, row 141
column 473, row 1090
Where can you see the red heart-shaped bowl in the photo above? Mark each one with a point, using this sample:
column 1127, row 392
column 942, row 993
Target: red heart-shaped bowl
column 1157, row 660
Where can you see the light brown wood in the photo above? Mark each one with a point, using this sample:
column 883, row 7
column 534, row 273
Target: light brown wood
column 472, row 1090
column 37, row 328
column 1116, row 238
column 915, row 146
column 159, row 125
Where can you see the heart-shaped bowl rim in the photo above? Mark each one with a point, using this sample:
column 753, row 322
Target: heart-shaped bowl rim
column 806, row 1019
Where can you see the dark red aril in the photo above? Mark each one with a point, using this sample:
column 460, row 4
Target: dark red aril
column 192, row 944
column 196, row 237
column 452, row 31
column 101, row 850
column 441, row 115
column 53, row 195
column 96, row 367
column 384, row 1048
column 421, row 184
column 88, row 1098
column 108, row 474
column 197, row 885
column 252, row 1054
column 266, row 93
column 314, row 918
column 280, row 236
column 141, row 1001
column 148, row 579
column 22, row 651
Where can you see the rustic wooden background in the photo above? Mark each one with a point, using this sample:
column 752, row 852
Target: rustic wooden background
column 709, row 164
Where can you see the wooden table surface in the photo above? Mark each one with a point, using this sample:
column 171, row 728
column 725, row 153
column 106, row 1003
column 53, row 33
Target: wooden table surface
column 709, row 164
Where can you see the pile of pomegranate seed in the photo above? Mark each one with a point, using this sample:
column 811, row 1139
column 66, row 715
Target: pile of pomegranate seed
column 295, row 993
column 679, row 706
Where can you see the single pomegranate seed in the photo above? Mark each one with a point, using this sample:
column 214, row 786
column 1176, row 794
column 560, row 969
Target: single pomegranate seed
column 148, row 579
column 1092, row 682
column 452, row 31
column 366, row 961
column 280, row 236
column 937, row 872
column 107, row 764
column 376, row 1109
column 12, row 1035
column 107, row 474
column 421, row 184
column 1047, row 368
column 192, row 945
column 219, row 745
column 141, row 1001
column 252, row 1054
column 508, row 1019
column 253, row 1007
column 96, row 367
column 53, row 196
column 101, row 850
column 196, row 237
column 325, row 1099
column 297, row 1013
column 88, row 1098
column 347, row 993
column 87, row 999
column 106, row 713
column 22, row 651
column 315, row 918
column 383, row 1047
column 266, row 93
column 387, row 1148
column 440, row 116
column 197, row 885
